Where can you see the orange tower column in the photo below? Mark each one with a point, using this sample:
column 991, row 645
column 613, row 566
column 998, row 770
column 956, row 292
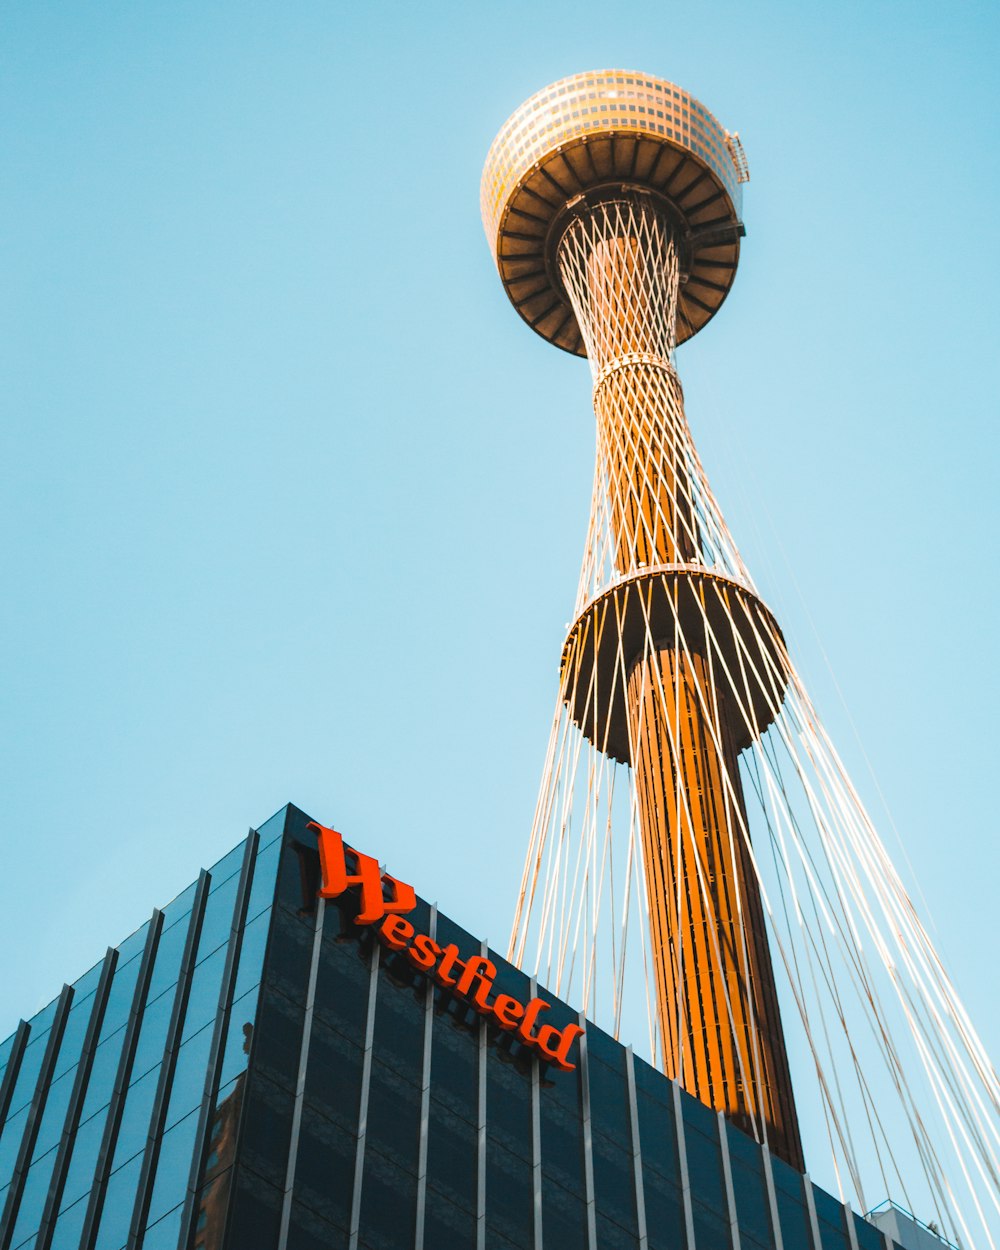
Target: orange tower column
column 717, row 1006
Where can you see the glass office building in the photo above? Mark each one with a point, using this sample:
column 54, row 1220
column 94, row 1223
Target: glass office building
column 252, row 1069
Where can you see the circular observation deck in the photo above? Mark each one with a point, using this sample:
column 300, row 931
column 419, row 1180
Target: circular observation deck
column 595, row 135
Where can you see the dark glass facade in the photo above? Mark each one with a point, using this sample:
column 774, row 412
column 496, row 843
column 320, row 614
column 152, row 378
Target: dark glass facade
column 252, row 1069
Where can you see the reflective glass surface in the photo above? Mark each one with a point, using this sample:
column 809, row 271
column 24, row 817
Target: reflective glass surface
column 303, row 993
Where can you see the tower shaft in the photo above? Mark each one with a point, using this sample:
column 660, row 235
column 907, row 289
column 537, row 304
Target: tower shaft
column 717, row 1006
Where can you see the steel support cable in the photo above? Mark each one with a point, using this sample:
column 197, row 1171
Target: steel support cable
column 852, row 865
column 840, row 1121
column 536, row 843
column 918, row 1136
column 794, row 832
column 919, row 935
column 942, row 1033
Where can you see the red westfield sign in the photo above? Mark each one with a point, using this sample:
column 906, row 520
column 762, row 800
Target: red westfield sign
column 385, row 901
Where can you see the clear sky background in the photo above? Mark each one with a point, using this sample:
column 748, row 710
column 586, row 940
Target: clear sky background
column 294, row 504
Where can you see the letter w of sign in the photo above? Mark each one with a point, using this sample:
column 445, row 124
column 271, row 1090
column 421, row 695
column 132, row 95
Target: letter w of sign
column 366, row 875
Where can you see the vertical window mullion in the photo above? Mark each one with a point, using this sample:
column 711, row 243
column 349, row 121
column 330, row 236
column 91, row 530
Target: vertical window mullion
column 633, row 1119
column 588, row 1140
column 811, row 1209
column 60, row 1170
column 727, row 1176
column 34, row 1118
column 772, row 1199
column 300, row 1077
column 13, row 1070
column 219, row 1036
column 481, row 1137
column 852, row 1232
column 112, row 1124
column 683, row 1160
column 175, row 1030
column 366, row 1079
column 425, row 1096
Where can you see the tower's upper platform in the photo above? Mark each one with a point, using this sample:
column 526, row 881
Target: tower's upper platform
column 592, row 135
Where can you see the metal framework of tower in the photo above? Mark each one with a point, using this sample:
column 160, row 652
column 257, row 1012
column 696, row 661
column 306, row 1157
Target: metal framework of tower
column 612, row 203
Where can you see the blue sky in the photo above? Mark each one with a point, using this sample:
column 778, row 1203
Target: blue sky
column 294, row 503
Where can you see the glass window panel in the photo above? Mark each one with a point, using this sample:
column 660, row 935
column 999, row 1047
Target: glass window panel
column 236, row 1054
column 711, row 1230
column 41, row 1021
column 252, row 946
column 509, row 1196
column 54, row 1116
column 869, row 1237
column 508, row 1106
column 180, row 906
column 272, row 828
column 173, row 1168
column 203, row 998
column 388, row 1202
column 609, row 1098
column 6, row 1047
column 290, row 955
column 36, row 1185
column 118, row 1203
column 256, row 1211
column 658, row 1136
column 135, row 1117
column 218, row 921
column 564, row 1215
column 278, row 1038
column 83, row 1160
column 264, row 873
column 561, row 1127
column 73, row 1035
column 153, row 1033
column 102, row 1074
column 133, row 945
column 10, row 1143
column 308, row 1231
column 164, row 1233
column 229, row 864
column 188, row 1089
column 611, row 1236
column 830, row 1214
column 27, row 1077
column 120, row 996
column 393, row 1116
column 400, row 1008
column 454, row 1067
column 664, row 1211
column 753, row 1207
column 451, row 1158
column 704, row 1166
column 614, row 1183
column 168, row 957
column 448, row 1225
column 333, row 1076
column 324, row 1169
column 795, row 1230
column 653, row 1084
column 267, row 1113
column 69, row 1224
column 343, row 978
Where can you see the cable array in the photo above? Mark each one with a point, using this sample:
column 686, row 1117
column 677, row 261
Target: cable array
column 693, row 811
